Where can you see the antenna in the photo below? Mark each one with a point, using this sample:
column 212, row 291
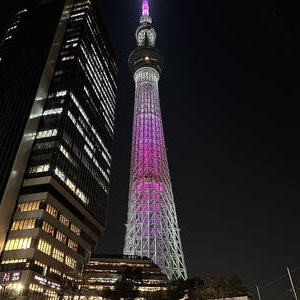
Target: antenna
column 145, row 8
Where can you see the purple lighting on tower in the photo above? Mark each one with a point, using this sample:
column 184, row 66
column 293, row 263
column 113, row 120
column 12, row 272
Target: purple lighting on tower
column 145, row 8
column 152, row 228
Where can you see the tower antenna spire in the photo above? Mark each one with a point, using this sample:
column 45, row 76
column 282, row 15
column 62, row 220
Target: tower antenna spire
column 145, row 8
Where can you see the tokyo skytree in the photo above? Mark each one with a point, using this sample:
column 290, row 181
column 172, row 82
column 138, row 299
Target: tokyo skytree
column 152, row 228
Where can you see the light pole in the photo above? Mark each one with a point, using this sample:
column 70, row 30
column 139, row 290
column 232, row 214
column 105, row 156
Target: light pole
column 4, row 285
column 258, row 293
column 292, row 284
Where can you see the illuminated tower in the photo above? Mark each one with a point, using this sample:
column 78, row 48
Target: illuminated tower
column 152, row 228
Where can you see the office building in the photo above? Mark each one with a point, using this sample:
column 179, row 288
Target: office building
column 59, row 104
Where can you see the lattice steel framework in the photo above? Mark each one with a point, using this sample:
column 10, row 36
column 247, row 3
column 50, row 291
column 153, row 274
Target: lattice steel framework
column 152, row 228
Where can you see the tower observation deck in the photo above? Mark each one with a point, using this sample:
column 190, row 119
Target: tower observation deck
column 152, row 227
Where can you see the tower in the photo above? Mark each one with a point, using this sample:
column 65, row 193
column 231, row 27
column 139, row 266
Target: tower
column 54, row 199
column 152, row 228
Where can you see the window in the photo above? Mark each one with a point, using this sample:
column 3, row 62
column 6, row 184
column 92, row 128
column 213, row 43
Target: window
column 61, row 93
column 69, row 261
column 55, row 271
column 64, row 220
column 67, row 154
column 23, row 224
column 29, row 206
column 15, row 244
column 39, row 169
column 44, row 145
column 61, row 237
column 72, row 245
column 44, row 246
column 70, row 184
column 67, row 57
column 53, row 111
column 48, row 228
column 58, row 255
column 75, row 229
column 46, row 133
column 51, row 210
column 43, row 266
column 13, row 261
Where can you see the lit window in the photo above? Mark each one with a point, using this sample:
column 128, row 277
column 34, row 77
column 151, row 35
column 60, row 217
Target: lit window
column 64, row 220
column 59, row 72
column 82, row 196
column 29, row 206
column 48, row 228
column 44, row 145
column 60, row 174
column 53, row 111
column 88, row 151
column 61, row 237
column 72, row 245
column 67, row 58
column 61, row 93
column 15, row 244
column 40, row 264
column 70, row 184
column 39, row 169
column 44, row 246
column 52, row 270
column 51, row 210
column 105, row 157
column 75, row 229
column 58, row 255
column 67, row 154
column 23, row 224
column 69, row 261
column 46, row 133
column 13, row 261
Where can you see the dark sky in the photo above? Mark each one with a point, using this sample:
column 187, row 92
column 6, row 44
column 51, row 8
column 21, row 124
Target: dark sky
column 229, row 96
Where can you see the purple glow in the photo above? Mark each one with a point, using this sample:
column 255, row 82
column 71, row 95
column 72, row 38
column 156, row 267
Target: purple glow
column 151, row 229
column 150, row 178
column 145, row 8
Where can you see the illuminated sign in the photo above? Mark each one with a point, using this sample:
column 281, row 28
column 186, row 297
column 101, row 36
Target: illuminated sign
column 11, row 276
column 46, row 282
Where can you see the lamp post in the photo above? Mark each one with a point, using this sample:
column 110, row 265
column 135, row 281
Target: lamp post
column 292, row 283
column 86, row 260
column 4, row 285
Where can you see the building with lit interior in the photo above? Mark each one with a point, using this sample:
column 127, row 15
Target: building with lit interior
column 152, row 228
column 57, row 117
column 103, row 274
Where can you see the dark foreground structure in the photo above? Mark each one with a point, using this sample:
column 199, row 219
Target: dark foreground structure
column 57, row 89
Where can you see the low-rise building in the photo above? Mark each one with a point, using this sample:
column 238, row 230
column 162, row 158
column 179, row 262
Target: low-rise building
column 103, row 274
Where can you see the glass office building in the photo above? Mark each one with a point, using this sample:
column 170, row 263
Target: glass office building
column 55, row 189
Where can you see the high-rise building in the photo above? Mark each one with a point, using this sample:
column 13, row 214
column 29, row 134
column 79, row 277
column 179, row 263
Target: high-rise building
column 152, row 228
column 58, row 86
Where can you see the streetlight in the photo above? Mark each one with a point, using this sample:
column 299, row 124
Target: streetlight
column 4, row 285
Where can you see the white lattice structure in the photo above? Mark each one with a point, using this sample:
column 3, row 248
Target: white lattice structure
column 152, row 228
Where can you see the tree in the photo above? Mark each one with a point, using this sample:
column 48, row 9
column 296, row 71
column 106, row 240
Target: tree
column 235, row 286
column 210, row 288
column 177, row 289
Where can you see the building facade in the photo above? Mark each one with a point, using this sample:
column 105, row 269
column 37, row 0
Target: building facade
column 152, row 227
column 54, row 198
column 104, row 274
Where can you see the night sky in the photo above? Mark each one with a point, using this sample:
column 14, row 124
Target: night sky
column 229, row 95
